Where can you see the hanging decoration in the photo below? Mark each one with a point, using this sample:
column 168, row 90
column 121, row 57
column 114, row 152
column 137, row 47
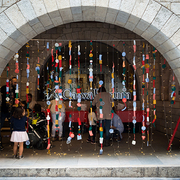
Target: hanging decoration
column 124, row 100
column 91, row 80
column 38, row 68
column 143, row 128
column 47, row 46
column 7, row 84
column 134, row 94
column 78, row 90
column 16, row 56
column 71, row 134
column 154, row 89
column 173, row 93
column 147, row 95
column 27, row 89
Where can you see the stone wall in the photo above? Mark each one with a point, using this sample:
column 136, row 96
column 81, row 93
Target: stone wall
column 103, row 31
column 173, row 5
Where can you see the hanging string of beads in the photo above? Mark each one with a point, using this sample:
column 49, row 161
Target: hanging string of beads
column 147, row 83
column 154, row 88
column 71, row 134
column 173, row 93
column 38, row 68
column 48, row 104
column 91, row 80
column 16, row 56
column 27, row 83
column 7, row 84
column 78, row 90
column 134, row 94
column 143, row 128
column 124, row 100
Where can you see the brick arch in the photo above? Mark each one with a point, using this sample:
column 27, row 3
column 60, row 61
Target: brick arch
column 27, row 18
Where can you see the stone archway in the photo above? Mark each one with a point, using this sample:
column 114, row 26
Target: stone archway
column 27, row 18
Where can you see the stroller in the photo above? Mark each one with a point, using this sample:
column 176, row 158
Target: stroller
column 37, row 133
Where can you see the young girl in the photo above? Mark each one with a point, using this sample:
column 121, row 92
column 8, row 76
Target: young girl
column 92, row 121
column 19, row 134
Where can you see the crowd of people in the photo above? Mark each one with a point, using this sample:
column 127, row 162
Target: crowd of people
column 17, row 118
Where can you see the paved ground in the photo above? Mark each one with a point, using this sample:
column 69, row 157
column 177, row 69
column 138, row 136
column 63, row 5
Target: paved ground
column 80, row 178
column 80, row 154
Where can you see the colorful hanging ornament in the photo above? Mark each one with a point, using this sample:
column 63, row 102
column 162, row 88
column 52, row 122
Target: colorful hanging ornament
column 173, row 93
column 124, row 99
column 79, row 53
column 134, row 94
column 7, row 84
column 91, row 80
column 154, row 89
column 143, row 128
column 147, row 81
column 16, row 56
column 38, row 68
column 71, row 134
column 47, row 46
column 48, row 130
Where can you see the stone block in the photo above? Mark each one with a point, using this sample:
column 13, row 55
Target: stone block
column 151, row 171
column 176, row 38
column 49, row 27
column 6, row 24
column 77, row 17
column 159, row 38
column 139, row 8
column 142, row 25
column 76, row 10
column 8, row 172
column 57, row 21
column 27, row 10
column 39, row 7
column 63, row 4
column 15, row 47
column 130, row 26
column 173, row 54
column 15, row 15
column 25, row 29
column 127, row 172
column 3, row 36
column 150, row 32
column 167, row 45
column 51, row 6
column 122, row 18
column 114, row 4
column 34, row 21
column 88, row 3
column 8, row 42
column 102, row 3
column 21, row 40
column 127, row 6
column 162, row 17
column 4, row 51
column 9, row 55
column 175, row 7
column 75, row 3
column 88, row 13
column 66, row 15
column 39, row 28
column 45, row 20
column 100, row 14
column 151, row 11
column 171, row 26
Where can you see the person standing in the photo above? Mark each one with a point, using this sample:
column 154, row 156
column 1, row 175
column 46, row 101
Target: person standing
column 61, row 117
column 7, row 107
column 19, row 134
column 118, row 127
column 103, row 101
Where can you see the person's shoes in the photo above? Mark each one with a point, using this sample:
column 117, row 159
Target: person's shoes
column 53, row 139
column 1, row 148
column 20, row 157
column 15, row 156
column 88, row 140
column 93, row 142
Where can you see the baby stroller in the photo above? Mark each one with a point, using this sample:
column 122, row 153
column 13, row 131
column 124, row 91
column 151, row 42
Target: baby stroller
column 37, row 133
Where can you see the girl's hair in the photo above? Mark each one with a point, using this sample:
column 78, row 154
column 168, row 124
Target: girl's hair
column 18, row 113
column 37, row 108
